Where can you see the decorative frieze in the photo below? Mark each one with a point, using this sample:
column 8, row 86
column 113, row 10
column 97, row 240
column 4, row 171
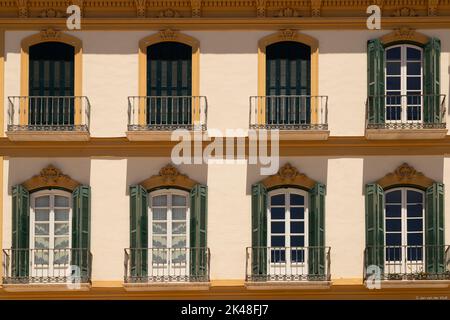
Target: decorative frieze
column 196, row 8
column 141, row 8
column 405, row 12
column 50, row 177
column 260, row 8
column 288, row 175
column 433, row 7
column 168, row 13
column 169, row 176
column 315, row 8
column 50, row 34
column 287, row 13
column 22, row 5
column 51, row 13
column 168, row 35
column 405, row 175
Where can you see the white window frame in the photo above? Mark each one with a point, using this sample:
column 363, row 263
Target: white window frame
column 49, row 270
column 288, row 267
column 403, row 82
column 168, row 269
column 405, row 266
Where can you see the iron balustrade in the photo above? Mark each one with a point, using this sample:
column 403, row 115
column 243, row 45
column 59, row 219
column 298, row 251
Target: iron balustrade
column 48, row 113
column 46, row 266
column 148, row 265
column 288, row 264
column 413, row 111
column 167, row 113
column 289, row 112
column 426, row 262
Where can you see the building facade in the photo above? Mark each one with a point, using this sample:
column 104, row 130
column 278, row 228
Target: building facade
column 93, row 204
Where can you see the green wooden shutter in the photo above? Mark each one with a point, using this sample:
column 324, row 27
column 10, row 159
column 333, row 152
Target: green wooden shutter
column 431, row 80
column 138, row 231
column 316, row 251
column 434, row 222
column 374, row 225
column 20, row 231
column 375, row 82
column 198, row 232
column 81, row 216
column 259, row 230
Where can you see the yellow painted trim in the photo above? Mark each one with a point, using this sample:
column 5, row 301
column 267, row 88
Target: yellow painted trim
column 404, row 35
column 288, row 175
column 2, row 131
column 288, row 35
column 50, row 35
column 168, row 176
column 405, row 175
column 166, row 36
column 50, row 177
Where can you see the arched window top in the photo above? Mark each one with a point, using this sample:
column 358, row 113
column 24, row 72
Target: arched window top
column 289, row 49
column 168, row 50
column 405, row 176
column 169, row 36
column 169, row 178
column 50, row 178
column 404, row 36
column 51, row 36
column 288, row 176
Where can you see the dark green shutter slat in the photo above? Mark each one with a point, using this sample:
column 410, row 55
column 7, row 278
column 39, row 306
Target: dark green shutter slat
column 138, row 231
column 259, row 230
column 431, row 79
column 198, row 232
column 375, row 82
column 81, row 216
column 374, row 225
column 316, row 251
column 434, row 236
column 20, row 231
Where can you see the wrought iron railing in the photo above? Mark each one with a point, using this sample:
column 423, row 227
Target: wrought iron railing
column 289, row 112
column 44, row 266
column 48, row 113
column 288, row 264
column 413, row 111
column 427, row 262
column 153, row 265
column 167, row 113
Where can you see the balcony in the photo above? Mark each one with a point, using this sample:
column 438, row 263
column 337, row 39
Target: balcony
column 156, row 269
column 155, row 118
column 288, row 268
column 414, row 116
column 297, row 117
column 404, row 266
column 48, row 118
column 46, row 269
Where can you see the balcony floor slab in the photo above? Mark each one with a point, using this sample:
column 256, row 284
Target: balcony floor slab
column 46, row 287
column 288, row 285
column 48, row 135
column 404, row 134
column 167, row 286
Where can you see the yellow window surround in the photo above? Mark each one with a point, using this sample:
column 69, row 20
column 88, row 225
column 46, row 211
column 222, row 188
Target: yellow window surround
column 288, row 176
column 50, row 177
column 288, row 35
column 50, row 35
column 168, row 177
column 405, row 175
column 169, row 35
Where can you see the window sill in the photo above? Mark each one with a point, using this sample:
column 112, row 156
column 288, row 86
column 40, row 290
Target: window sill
column 48, row 135
column 403, row 134
column 167, row 286
column 288, row 285
column 396, row 284
column 156, row 135
column 46, row 287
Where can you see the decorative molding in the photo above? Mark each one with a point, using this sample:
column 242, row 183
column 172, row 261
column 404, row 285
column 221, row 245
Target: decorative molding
column 141, row 8
column 169, row 13
column 168, row 35
column 405, row 175
column 433, row 7
column 405, row 12
column 22, row 5
column 287, row 13
column 168, row 176
column 50, row 34
column 52, row 13
column 196, row 8
column 404, row 34
column 316, row 8
column 261, row 8
column 50, row 177
column 288, row 176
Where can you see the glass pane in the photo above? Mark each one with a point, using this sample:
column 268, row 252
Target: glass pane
column 413, row 54
column 393, row 113
column 393, row 210
column 297, row 212
column 159, row 228
column 61, row 201
column 159, row 257
column 179, row 257
column 394, row 197
column 393, row 68
column 393, row 225
column 393, row 83
column 277, row 213
column 159, row 213
column 42, row 215
column 62, row 242
column 297, row 200
column 179, row 214
column 159, row 242
column 159, row 201
column 415, row 210
column 278, row 255
column 393, row 53
column 393, row 239
column 414, row 197
column 414, row 68
column 61, row 228
column 179, row 201
column 178, row 227
column 413, row 83
column 297, row 227
column 61, row 214
column 277, row 241
column 41, row 257
column 61, row 257
column 415, row 239
column 277, row 227
column 297, row 241
column 178, row 241
column 41, row 242
column 298, row 256
column 393, row 254
column 277, row 200
column 41, row 229
column 42, row 202
column 414, row 253
column 415, row 224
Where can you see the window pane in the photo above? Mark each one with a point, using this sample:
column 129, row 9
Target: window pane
column 277, row 200
column 61, row 214
column 159, row 201
column 61, row 201
column 277, row 213
column 393, row 68
column 297, row 241
column 413, row 83
column 61, row 258
column 393, row 239
column 179, row 201
column 159, row 242
column 42, row 202
column 394, row 197
column 393, row 225
column 297, row 227
column 277, row 241
column 394, row 254
column 159, row 228
column 413, row 68
column 297, row 200
column 42, row 215
column 179, row 214
column 178, row 241
column 415, row 239
column 278, row 255
column 414, row 196
column 41, row 242
column 41, row 258
column 41, row 229
column 298, row 255
column 414, row 253
column 393, row 53
column 393, row 210
column 159, row 213
column 413, row 54
column 277, row 227
column 62, row 242
column 297, row 212
column 178, row 227
column 393, row 83
column 415, row 210
column 415, row 224
column 61, row 228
